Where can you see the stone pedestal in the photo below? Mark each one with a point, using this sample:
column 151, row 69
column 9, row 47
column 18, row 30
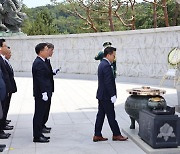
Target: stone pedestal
column 159, row 131
column 10, row 34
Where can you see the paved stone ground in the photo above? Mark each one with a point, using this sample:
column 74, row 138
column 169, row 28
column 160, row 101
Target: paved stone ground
column 72, row 119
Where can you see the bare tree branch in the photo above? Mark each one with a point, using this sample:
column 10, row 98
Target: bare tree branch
column 88, row 19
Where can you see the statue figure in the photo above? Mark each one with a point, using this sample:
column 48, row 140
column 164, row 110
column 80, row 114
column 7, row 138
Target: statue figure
column 12, row 17
column 2, row 26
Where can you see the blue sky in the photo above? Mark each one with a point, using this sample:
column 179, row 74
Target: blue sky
column 34, row 3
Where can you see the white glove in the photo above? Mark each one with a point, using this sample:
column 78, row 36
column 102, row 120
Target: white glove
column 56, row 71
column 113, row 99
column 44, row 96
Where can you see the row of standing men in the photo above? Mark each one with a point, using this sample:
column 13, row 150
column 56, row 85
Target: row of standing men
column 43, row 88
column 7, row 88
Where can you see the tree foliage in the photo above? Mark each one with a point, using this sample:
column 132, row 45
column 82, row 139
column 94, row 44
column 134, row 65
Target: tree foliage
column 79, row 16
column 43, row 24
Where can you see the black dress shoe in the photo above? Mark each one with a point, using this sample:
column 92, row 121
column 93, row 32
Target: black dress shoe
column 49, row 128
column 8, row 127
column 47, row 137
column 40, row 140
column 44, row 130
column 4, row 136
column 3, row 132
column 8, row 134
column 8, row 121
column 2, row 146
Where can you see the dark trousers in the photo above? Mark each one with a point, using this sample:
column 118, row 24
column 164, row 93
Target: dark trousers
column 3, row 120
column 6, row 105
column 46, row 116
column 40, row 110
column 106, row 108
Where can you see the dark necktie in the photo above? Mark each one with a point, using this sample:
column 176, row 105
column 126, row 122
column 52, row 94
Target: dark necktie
column 47, row 61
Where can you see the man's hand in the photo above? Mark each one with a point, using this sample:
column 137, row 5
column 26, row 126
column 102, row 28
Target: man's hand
column 44, row 96
column 113, row 99
column 56, row 71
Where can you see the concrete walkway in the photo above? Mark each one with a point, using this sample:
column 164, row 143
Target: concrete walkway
column 72, row 119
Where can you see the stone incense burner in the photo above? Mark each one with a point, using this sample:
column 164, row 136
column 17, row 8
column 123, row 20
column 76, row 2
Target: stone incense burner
column 143, row 98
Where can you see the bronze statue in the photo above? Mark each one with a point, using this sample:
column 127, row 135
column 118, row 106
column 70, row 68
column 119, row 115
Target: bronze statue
column 11, row 16
column 2, row 26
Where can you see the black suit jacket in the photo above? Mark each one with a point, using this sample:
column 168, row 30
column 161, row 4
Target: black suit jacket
column 41, row 78
column 2, row 87
column 106, row 81
column 5, row 75
column 11, row 77
column 50, row 68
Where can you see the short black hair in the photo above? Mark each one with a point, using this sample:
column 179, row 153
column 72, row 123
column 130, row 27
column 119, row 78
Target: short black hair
column 39, row 47
column 1, row 42
column 50, row 45
column 109, row 50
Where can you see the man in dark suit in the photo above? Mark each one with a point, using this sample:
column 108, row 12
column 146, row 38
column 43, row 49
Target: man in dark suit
column 3, row 124
column 53, row 72
column 12, row 81
column 106, row 95
column 2, row 97
column 2, row 88
column 42, row 91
